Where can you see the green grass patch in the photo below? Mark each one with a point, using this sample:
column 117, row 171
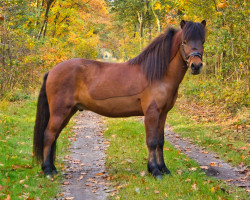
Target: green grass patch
column 212, row 136
column 127, row 160
column 20, row 177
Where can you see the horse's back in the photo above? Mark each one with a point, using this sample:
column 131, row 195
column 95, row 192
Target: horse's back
column 79, row 80
column 110, row 80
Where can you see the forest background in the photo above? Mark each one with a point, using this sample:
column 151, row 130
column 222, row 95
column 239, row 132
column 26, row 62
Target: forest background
column 35, row 35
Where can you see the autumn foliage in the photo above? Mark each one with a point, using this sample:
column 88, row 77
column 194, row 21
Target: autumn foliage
column 36, row 35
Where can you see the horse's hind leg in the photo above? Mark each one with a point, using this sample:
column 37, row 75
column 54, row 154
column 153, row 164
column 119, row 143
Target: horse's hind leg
column 58, row 120
column 53, row 147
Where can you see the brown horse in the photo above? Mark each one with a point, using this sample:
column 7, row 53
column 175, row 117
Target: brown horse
column 146, row 85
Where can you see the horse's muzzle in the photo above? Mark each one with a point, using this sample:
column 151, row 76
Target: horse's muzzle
column 196, row 68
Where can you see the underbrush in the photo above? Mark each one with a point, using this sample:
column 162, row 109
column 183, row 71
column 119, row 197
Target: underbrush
column 228, row 97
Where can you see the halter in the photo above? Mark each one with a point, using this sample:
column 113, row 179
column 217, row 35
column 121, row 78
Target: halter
column 190, row 55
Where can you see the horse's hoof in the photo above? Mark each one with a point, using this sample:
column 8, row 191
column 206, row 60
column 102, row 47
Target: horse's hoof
column 165, row 170
column 159, row 177
column 54, row 172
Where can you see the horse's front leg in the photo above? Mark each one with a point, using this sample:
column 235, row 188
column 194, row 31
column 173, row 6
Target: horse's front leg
column 151, row 125
column 159, row 150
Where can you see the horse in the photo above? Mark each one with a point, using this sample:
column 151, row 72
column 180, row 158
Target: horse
column 146, row 85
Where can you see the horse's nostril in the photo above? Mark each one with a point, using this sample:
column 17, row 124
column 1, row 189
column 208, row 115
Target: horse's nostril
column 200, row 65
column 192, row 66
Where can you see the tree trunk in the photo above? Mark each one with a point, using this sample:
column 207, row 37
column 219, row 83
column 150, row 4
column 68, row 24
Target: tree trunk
column 45, row 21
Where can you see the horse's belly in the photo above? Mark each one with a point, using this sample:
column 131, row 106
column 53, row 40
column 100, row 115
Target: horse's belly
column 117, row 107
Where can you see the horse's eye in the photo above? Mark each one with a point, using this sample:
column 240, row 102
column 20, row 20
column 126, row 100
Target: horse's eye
column 184, row 42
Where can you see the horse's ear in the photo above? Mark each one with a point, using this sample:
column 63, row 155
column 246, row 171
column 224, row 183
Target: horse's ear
column 183, row 22
column 204, row 23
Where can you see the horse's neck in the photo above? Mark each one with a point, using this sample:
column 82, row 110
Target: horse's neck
column 176, row 71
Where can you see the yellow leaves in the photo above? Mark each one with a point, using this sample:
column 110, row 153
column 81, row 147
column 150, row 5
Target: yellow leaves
column 157, row 6
column 185, row 17
column 212, row 189
column 167, row 7
column 89, row 34
column 222, row 4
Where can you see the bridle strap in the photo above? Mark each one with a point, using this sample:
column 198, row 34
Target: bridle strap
column 191, row 55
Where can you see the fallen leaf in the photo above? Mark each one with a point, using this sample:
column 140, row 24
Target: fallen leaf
column 165, row 194
column 243, row 148
column 66, row 183
column 204, row 167
column 188, row 180
column 192, row 169
column 212, row 164
column 142, row 173
column 69, row 198
column 179, row 172
column 21, row 181
column 156, row 192
column 194, row 186
column 99, row 174
column 80, row 178
column 8, row 197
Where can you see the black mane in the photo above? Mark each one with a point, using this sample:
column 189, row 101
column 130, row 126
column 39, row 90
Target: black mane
column 155, row 58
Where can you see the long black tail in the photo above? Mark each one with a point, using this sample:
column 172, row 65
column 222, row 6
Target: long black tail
column 42, row 119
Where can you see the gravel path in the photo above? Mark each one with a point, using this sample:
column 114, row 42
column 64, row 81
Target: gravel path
column 85, row 176
column 210, row 162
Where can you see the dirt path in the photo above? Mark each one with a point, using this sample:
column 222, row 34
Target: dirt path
column 85, row 176
column 210, row 162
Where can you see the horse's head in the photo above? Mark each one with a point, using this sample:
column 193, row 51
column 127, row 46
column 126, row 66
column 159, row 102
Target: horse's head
column 193, row 38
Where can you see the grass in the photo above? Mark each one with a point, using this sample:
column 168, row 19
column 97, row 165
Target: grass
column 20, row 177
column 126, row 163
